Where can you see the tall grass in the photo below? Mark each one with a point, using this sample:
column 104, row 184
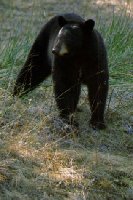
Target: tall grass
column 118, row 34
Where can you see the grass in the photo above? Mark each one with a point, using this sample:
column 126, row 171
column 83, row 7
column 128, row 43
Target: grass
column 42, row 158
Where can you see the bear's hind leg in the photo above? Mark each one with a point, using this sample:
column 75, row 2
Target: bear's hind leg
column 67, row 99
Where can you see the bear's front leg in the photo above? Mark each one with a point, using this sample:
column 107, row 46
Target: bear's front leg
column 66, row 96
column 98, row 90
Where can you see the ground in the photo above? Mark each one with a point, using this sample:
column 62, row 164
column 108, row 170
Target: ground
column 42, row 158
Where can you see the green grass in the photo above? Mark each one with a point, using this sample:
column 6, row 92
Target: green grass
column 119, row 39
column 41, row 158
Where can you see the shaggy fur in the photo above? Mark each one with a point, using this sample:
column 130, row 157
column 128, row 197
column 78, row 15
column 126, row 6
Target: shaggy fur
column 74, row 52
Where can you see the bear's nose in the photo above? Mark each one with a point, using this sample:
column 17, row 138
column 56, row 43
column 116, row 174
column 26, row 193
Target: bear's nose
column 54, row 51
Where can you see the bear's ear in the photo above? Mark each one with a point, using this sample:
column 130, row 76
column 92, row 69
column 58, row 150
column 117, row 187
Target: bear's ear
column 62, row 21
column 89, row 25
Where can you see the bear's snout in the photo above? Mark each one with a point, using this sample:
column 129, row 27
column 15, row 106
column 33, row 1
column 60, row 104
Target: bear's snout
column 60, row 50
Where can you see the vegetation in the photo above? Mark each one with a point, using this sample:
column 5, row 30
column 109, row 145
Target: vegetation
column 42, row 158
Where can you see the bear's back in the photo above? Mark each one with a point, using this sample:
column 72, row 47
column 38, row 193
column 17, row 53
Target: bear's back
column 73, row 18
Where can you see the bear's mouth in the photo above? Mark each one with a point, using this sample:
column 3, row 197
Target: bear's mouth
column 60, row 50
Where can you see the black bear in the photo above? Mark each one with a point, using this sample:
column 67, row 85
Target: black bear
column 74, row 52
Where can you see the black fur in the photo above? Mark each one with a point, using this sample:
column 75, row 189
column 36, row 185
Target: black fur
column 84, row 63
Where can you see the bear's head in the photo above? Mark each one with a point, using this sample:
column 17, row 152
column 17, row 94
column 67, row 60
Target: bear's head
column 71, row 37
